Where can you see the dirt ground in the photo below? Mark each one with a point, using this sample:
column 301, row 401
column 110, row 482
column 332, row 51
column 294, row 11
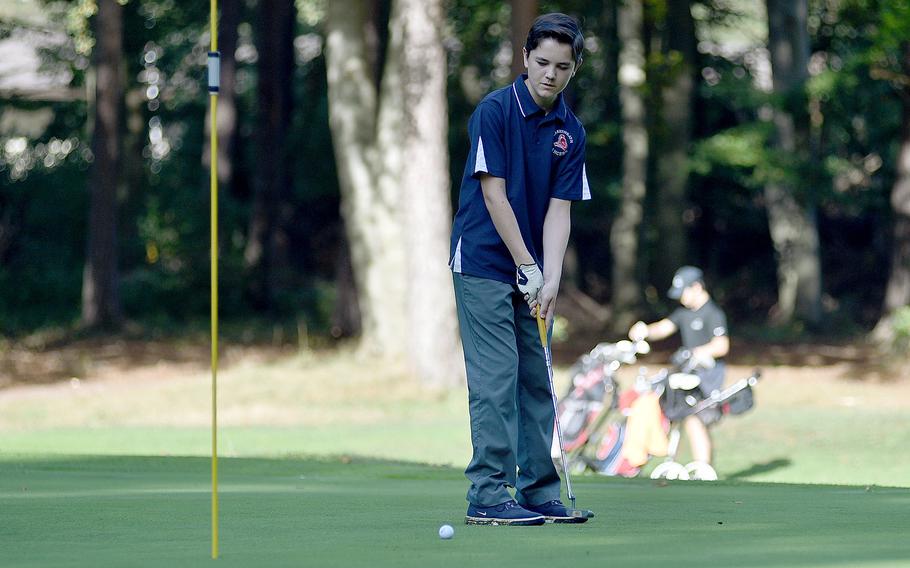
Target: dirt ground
column 100, row 359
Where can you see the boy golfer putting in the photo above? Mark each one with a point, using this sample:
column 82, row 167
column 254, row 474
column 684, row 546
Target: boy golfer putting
column 525, row 168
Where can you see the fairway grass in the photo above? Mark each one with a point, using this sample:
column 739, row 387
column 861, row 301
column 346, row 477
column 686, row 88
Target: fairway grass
column 111, row 469
column 155, row 511
column 810, row 425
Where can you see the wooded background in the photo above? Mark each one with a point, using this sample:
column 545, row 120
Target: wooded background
column 768, row 143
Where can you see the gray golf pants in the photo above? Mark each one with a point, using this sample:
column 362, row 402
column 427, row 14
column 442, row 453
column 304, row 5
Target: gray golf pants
column 508, row 393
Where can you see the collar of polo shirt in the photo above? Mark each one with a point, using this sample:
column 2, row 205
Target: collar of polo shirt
column 526, row 103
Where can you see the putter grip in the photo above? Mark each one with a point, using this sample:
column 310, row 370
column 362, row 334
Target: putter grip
column 542, row 328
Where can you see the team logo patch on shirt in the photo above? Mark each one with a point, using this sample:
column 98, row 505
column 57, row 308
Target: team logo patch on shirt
column 698, row 324
column 562, row 140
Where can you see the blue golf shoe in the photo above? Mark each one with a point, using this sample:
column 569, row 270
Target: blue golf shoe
column 508, row 513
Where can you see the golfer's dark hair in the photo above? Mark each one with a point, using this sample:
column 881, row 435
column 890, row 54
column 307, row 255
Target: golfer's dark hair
column 562, row 28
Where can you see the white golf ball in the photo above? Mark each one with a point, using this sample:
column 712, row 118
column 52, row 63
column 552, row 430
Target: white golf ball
column 446, row 532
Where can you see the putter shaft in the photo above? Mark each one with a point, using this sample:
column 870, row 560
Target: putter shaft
column 542, row 328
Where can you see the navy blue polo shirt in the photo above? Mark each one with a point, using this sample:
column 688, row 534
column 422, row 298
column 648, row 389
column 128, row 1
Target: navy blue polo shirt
column 540, row 156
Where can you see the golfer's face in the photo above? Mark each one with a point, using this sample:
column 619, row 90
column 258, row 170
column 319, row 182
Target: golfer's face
column 550, row 67
column 690, row 295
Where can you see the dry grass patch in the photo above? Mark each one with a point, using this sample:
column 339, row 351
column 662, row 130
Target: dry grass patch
column 293, row 389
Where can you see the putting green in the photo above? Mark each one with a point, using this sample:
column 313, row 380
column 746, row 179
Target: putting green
column 138, row 511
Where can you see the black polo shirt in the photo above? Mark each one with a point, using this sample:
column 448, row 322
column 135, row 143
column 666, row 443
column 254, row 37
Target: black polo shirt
column 698, row 327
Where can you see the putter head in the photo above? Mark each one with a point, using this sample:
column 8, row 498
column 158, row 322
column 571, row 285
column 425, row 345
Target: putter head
column 579, row 513
column 582, row 514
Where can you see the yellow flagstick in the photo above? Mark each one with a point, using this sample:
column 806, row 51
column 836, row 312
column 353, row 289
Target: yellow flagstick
column 214, row 68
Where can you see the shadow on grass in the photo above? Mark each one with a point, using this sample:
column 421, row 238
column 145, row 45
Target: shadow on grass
column 760, row 468
column 142, row 470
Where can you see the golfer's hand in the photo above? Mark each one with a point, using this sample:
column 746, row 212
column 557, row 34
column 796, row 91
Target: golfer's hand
column 529, row 280
column 547, row 300
column 639, row 331
column 702, row 359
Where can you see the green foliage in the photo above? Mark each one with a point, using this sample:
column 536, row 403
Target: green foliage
column 894, row 29
column 851, row 96
column 311, row 12
column 900, row 323
column 740, row 150
column 43, row 208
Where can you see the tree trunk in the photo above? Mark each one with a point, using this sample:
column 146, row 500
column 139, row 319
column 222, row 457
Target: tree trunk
column 612, row 47
column 897, row 292
column 793, row 225
column 369, row 193
column 263, row 254
column 432, row 327
column 100, row 282
column 392, row 154
column 624, row 235
column 346, row 313
column 674, row 136
column 523, row 14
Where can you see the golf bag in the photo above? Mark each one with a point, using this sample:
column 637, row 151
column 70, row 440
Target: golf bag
column 607, row 456
column 667, row 398
column 592, row 394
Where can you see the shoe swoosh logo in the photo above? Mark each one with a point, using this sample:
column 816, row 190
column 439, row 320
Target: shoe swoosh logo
column 481, row 513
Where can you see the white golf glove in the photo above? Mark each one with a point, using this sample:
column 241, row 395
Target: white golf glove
column 702, row 360
column 639, row 331
column 529, row 281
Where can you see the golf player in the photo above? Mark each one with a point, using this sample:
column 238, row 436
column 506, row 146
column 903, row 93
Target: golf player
column 525, row 168
column 702, row 326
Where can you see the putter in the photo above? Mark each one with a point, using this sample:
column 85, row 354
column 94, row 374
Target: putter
column 542, row 328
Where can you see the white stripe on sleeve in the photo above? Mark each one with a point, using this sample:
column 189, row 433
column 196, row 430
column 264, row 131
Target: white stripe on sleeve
column 585, row 188
column 456, row 258
column 480, row 163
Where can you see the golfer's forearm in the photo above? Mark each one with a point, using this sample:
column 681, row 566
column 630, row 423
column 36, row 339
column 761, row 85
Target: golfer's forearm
column 494, row 196
column 661, row 329
column 556, row 228
column 718, row 347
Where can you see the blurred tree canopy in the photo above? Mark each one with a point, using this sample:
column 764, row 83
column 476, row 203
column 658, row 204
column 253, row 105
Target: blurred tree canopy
column 709, row 117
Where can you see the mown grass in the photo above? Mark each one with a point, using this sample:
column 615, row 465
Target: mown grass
column 153, row 511
column 323, row 464
column 811, row 424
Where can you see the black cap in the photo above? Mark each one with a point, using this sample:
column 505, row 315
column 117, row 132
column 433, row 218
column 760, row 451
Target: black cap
column 684, row 277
